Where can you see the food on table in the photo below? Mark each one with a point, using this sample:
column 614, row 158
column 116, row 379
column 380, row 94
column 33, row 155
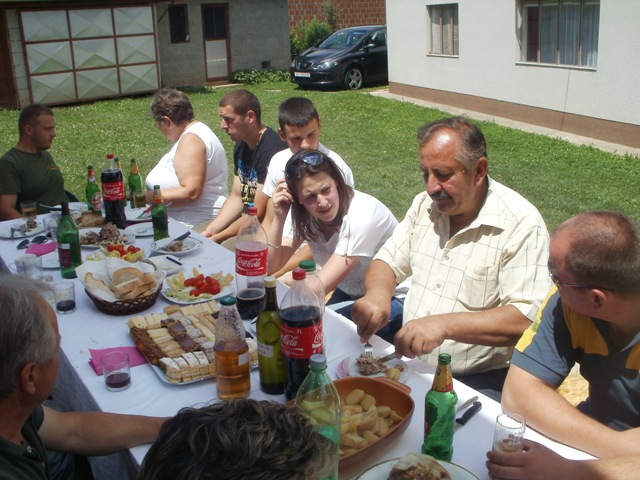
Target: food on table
column 363, row 422
column 109, row 234
column 130, row 253
column 198, row 286
column 370, row 366
column 96, row 283
column 174, row 246
column 126, row 283
column 416, row 466
column 88, row 220
column 180, row 341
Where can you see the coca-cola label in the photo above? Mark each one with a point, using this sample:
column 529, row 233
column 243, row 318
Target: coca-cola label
column 251, row 264
column 113, row 191
column 301, row 342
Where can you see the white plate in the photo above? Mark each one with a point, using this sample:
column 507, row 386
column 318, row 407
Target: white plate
column 349, row 368
column 51, row 261
column 6, row 232
column 140, row 230
column 99, row 254
column 228, row 290
column 132, row 214
column 162, row 262
column 188, row 244
column 83, row 231
column 382, row 470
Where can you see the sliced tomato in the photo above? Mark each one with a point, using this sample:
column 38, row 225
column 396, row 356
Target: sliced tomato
column 190, row 282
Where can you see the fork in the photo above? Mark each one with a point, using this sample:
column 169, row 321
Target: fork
column 368, row 350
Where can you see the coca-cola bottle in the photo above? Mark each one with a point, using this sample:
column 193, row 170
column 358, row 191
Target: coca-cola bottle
column 300, row 332
column 313, row 280
column 113, row 193
column 251, row 265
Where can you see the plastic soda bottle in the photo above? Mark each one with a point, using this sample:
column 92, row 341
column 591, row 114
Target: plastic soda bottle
column 301, row 332
column 92, row 192
column 319, row 399
column 113, row 193
column 159, row 216
column 251, row 265
column 231, row 353
column 68, row 240
column 440, row 412
column 313, row 280
column 270, row 361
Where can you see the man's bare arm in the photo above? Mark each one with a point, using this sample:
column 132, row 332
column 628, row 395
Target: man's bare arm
column 231, row 210
column 8, row 207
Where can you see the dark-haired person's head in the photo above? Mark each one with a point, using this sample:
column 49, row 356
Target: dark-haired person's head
column 238, row 439
column 171, row 103
column 320, row 193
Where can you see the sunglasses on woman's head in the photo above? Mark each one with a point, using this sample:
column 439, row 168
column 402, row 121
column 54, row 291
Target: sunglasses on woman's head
column 310, row 158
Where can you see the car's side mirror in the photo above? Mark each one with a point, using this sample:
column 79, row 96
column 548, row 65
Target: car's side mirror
column 369, row 46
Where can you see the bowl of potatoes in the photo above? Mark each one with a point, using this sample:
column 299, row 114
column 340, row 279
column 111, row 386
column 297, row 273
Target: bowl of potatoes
column 374, row 412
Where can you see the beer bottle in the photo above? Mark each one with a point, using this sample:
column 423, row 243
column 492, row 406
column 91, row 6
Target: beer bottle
column 135, row 182
column 231, row 353
column 270, row 361
column 159, row 216
column 319, row 400
column 440, row 412
column 92, row 192
column 68, row 240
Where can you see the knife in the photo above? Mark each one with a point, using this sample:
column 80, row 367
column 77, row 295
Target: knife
column 466, row 416
column 466, row 404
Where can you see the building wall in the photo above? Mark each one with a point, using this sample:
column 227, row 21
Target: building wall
column 350, row 12
column 487, row 74
column 258, row 31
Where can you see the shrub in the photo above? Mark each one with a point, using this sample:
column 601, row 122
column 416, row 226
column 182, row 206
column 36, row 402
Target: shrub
column 251, row 77
column 307, row 34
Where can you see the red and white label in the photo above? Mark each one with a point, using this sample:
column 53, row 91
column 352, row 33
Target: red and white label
column 113, row 191
column 301, row 343
column 251, row 264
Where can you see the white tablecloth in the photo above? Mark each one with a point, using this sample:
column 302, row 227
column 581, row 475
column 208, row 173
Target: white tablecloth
column 79, row 388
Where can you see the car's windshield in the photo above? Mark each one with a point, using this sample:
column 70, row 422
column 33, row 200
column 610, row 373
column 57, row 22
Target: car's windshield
column 343, row 39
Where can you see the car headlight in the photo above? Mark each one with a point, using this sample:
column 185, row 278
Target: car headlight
column 324, row 65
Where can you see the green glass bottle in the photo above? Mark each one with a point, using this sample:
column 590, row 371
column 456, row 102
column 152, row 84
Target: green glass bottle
column 68, row 244
column 319, row 399
column 440, row 412
column 92, row 192
column 270, row 360
column 135, row 182
column 159, row 216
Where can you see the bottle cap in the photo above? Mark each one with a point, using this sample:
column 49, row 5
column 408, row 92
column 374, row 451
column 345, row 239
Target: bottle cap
column 318, row 361
column 444, row 359
column 308, row 265
column 269, row 282
column 299, row 274
column 89, row 167
column 228, row 300
column 252, row 210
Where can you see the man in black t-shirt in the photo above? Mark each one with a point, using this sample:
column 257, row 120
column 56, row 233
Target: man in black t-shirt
column 240, row 115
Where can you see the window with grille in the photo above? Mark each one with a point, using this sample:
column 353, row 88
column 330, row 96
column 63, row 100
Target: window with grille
column 444, row 29
column 560, row 32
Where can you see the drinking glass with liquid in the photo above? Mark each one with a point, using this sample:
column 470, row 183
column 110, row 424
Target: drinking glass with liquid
column 509, row 432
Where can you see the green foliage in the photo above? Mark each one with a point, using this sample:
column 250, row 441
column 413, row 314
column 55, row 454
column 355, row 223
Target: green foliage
column 332, row 13
column 307, row 34
column 253, row 77
column 375, row 136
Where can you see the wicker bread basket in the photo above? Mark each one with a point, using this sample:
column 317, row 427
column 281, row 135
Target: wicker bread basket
column 125, row 307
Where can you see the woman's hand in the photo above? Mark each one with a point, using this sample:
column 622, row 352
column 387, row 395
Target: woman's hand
column 282, row 200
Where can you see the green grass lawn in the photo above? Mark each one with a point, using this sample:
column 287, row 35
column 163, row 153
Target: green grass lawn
column 376, row 137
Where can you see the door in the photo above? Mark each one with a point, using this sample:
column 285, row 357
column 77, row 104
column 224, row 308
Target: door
column 215, row 29
column 8, row 94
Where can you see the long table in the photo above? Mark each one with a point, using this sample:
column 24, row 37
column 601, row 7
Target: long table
column 79, row 388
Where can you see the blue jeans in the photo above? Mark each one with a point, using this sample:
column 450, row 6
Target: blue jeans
column 388, row 331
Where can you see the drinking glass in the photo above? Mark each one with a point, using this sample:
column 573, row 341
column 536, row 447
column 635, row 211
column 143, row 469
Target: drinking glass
column 65, row 295
column 28, row 209
column 509, row 432
column 139, row 199
column 116, row 370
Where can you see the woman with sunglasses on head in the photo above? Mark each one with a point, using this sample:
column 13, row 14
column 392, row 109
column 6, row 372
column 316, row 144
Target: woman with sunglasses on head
column 343, row 227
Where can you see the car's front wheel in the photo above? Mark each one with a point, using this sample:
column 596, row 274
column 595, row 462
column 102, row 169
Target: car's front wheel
column 353, row 78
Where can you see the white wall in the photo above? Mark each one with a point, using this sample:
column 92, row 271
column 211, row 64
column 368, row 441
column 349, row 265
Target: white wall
column 489, row 52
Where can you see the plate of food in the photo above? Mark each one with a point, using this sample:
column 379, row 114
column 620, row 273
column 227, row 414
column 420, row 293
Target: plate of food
column 130, row 253
column 418, row 465
column 135, row 214
column 394, row 369
column 168, row 263
column 176, row 247
column 198, row 287
column 22, row 230
column 102, row 236
column 140, row 229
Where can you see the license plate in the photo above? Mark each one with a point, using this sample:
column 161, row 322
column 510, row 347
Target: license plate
column 302, row 74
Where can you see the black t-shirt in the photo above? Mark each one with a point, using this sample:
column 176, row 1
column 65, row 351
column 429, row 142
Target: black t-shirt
column 27, row 461
column 251, row 165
